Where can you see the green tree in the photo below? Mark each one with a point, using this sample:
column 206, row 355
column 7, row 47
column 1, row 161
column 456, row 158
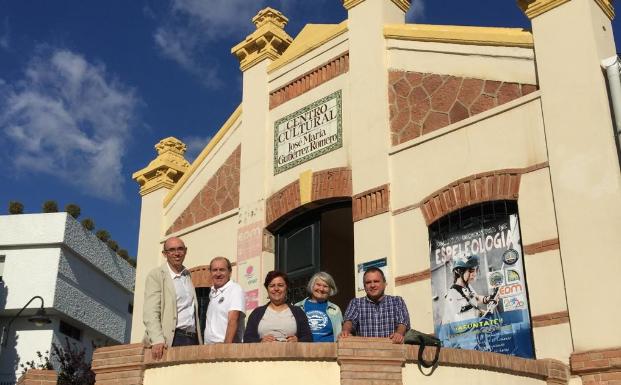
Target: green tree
column 123, row 254
column 112, row 244
column 16, row 207
column 73, row 210
column 50, row 207
column 103, row 235
column 88, row 224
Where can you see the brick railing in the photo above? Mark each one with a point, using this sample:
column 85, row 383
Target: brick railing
column 38, row 377
column 360, row 361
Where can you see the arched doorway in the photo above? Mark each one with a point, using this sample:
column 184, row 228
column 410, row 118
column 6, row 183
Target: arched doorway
column 318, row 238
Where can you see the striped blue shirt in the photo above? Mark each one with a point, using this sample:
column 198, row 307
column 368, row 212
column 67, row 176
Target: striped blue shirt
column 379, row 319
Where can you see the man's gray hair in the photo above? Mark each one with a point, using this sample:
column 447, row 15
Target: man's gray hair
column 327, row 278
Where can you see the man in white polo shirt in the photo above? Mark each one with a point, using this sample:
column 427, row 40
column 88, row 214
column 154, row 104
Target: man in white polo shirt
column 225, row 313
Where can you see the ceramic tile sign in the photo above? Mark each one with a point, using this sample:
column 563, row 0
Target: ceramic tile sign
column 479, row 290
column 310, row 132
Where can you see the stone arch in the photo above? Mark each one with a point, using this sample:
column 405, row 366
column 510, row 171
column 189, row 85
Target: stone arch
column 325, row 185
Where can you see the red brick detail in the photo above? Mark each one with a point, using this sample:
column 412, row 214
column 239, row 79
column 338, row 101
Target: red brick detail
column 38, row 377
column 371, row 202
column 201, row 276
column 489, row 186
column 120, row 364
column 420, row 103
column 219, row 195
column 560, row 317
column 366, row 361
column 597, row 367
column 283, row 201
column 540, row 247
column 411, row 278
column 310, row 80
column 330, row 183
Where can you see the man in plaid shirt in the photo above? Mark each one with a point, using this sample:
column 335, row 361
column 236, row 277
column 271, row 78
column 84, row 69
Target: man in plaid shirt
column 377, row 314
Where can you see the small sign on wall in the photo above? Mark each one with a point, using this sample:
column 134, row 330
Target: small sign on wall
column 308, row 133
column 362, row 267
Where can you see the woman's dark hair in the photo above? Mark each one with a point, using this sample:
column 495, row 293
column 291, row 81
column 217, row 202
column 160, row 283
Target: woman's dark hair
column 275, row 274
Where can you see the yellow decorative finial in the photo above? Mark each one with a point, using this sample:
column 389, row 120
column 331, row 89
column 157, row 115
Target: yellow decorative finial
column 166, row 169
column 269, row 41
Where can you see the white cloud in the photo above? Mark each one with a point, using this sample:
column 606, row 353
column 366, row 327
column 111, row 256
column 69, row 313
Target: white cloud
column 195, row 144
column 416, row 12
column 70, row 119
column 191, row 25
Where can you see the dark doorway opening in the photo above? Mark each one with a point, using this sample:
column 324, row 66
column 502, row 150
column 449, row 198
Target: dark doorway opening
column 321, row 239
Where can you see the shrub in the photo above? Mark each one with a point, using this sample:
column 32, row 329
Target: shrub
column 73, row 210
column 16, row 207
column 112, row 244
column 88, row 224
column 42, row 363
column 103, row 235
column 50, row 207
column 73, row 367
column 123, row 254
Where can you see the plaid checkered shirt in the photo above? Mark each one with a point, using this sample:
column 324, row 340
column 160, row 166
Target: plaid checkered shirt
column 380, row 319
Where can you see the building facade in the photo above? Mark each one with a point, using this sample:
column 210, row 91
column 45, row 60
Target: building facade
column 408, row 146
column 87, row 290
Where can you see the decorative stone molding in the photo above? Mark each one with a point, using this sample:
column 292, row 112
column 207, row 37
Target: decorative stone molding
column 597, row 367
column 371, row 202
column 403, row 5
column 459, row 34
column 326, row 184
column 120, row 364
column 420, row 103
column 310, row 80
column 269, row 41
column 411, row 278
column 549, row 319
column 38, row 377
column 165, row 170
column 534, row 8
column 219, row 195
column 540, row 247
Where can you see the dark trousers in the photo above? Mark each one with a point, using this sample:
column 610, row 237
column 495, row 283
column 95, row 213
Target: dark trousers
column 184, row 339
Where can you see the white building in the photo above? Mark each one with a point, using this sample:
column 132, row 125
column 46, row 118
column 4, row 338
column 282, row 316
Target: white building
column 87, row 289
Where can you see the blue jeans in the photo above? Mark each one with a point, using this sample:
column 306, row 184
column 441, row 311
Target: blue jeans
column 182, row 339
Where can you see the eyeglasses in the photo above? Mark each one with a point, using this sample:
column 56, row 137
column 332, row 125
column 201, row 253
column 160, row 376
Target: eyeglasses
column 181, row 249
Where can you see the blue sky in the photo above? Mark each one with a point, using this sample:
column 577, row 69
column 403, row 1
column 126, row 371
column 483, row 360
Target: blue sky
column 88, row 87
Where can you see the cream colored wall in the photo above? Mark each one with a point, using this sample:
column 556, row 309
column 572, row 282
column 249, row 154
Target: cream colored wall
column 149, row 253
column 536, row 207
column 336, row 158
column 418, row 299
column 256, row 148
column 514, row 139
column 410, row 243
column 451, row 375
column 217, row 238
column 570, row 42
column 244, row 373
column 203, row 173
column 553, row 342
column 509, row 64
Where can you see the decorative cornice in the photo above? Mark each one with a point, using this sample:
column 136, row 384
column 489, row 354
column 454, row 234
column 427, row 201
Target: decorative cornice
column 269, row 41
column 165, row 170
column 403, row 5
column 206, row 151
column 489, row 36
column 534, row 8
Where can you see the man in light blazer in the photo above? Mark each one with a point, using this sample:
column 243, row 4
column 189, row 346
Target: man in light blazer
column 170, row 311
